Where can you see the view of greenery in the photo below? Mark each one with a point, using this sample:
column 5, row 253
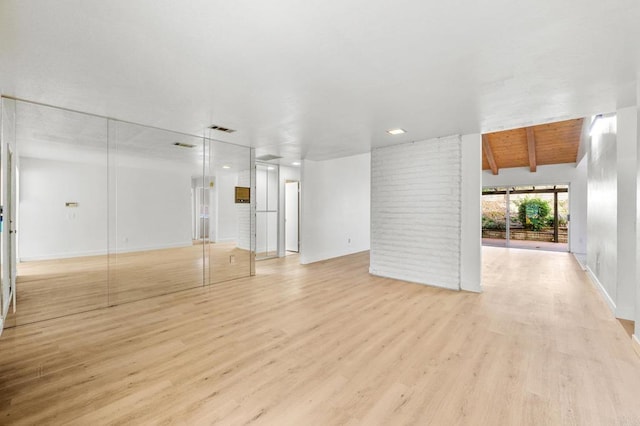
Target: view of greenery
column 533, row 213
column 540, row 217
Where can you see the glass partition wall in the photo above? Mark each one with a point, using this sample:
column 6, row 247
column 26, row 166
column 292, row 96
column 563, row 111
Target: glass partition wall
column 111, row 212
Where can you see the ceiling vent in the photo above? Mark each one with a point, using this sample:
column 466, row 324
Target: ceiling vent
column 268, row 157
column 184, row 145
column 221, row 129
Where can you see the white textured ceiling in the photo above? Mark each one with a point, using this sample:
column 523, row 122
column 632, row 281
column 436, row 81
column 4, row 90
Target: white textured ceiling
column 323, row 79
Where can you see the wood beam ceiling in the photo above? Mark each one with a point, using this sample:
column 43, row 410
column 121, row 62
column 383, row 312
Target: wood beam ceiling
column 531, row 142
column 488, row 152
column 532, row 146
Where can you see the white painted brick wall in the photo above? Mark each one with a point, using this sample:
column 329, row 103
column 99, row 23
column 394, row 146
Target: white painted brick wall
column 246, row 227
column 415, row 212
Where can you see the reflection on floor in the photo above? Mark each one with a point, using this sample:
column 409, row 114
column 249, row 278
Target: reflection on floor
column 53, row 288
column 328, row 344
column 535, row 245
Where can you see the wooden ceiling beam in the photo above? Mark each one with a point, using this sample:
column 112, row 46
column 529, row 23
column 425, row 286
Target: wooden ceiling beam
column 531, row 142
column 488, row 152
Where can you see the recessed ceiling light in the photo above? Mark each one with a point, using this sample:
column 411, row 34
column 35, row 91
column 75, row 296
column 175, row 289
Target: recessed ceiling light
column 226, row 167
column 396, row 131
column 295, row 163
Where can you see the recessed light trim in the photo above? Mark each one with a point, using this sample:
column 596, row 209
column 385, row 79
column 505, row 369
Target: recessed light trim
column 396, row 131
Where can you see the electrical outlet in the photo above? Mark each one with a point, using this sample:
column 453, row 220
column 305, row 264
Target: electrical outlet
column 232, row 259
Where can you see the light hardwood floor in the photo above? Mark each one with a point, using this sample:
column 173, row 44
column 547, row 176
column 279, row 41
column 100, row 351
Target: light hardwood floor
column 53, row 288
column 329, row 344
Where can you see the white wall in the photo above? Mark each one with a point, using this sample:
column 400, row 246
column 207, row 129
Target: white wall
column 8, row 140
column 578, row 208
column 227, row 214
column 627, row 165
column 335, row 207
column 471, row 226
column 286, row 174
column 602, row 213
column 245, row 226
column 416, row 212
column 153, row 209
column 637, row 305
column 50, row 230
column 571, row 174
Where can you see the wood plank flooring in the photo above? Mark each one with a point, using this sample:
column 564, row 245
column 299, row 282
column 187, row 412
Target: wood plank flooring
column 329, row 344
column 53, row 288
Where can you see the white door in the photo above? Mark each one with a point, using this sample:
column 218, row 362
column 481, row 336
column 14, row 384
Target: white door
column 291, row 207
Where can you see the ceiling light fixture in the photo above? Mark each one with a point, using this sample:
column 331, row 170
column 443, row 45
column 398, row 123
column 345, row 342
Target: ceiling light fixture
column 396, row 131
column 226, row 167
column 295, row 163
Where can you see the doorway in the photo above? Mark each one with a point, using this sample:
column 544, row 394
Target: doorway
column 292, row 216
column 529, row 217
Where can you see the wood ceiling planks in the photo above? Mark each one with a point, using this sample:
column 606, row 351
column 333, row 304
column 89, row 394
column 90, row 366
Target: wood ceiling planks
column 555, row 143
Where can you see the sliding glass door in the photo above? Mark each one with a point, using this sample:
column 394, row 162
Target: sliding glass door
column 535, row 217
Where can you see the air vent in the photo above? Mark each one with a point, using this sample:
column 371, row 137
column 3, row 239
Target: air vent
column 184, row 145
column 267, row 157
column 221, row 129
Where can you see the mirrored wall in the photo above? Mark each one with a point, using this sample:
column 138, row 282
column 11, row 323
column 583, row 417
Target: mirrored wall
column 267, row 196
column 110, row 212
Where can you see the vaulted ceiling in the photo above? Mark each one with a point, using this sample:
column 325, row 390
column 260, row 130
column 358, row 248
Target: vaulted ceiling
column 324, row 79
column 553, row 143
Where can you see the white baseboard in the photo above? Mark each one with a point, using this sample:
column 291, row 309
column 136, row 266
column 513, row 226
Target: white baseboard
column 582, row 260
column 602, row 290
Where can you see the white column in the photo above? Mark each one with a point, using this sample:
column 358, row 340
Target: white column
column 471, row 226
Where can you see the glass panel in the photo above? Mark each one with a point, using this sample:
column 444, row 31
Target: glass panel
column 533, row 219
column 494, row 222
column 62, row 193
column 229, row 246
column 160, row 212
column 272, row 190
column 267, row 176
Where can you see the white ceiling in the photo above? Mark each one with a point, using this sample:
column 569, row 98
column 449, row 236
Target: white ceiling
column 323, row 79
column 52, row 133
